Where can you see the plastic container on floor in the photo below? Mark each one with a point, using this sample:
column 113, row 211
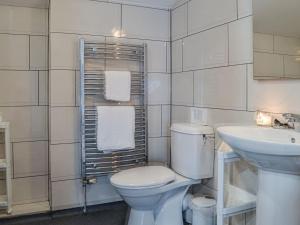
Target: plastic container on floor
column 204, row 211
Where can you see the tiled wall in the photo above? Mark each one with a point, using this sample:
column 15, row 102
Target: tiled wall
column 276, row 56
column 24, row 98
column 96, row 20
column 212, row 68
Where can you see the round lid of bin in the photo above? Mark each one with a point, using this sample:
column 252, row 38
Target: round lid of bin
column 202, row 202
column 192, row 128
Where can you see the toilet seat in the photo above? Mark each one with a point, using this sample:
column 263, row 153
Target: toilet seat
column 143, row 177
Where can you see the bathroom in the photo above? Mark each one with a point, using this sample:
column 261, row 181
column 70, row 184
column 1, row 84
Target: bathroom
column 195, row 69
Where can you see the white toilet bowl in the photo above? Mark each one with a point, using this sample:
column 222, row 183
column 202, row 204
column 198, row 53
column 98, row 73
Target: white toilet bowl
column 154, row 193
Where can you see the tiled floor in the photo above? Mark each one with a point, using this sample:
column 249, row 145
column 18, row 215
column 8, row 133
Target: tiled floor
column 104, row 215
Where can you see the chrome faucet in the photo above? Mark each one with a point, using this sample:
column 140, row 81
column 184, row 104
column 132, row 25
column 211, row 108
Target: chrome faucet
column 287, row 121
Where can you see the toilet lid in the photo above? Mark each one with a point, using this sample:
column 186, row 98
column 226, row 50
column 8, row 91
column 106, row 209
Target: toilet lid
column 143, row 177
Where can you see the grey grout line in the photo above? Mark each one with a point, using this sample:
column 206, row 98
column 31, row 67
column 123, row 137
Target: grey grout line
column 23, row 34
column 38, row 97
column 29, row 50
column 217, row 108
column 32, row 176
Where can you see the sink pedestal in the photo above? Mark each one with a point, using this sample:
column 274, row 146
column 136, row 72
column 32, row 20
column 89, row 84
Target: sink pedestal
column 278, row 199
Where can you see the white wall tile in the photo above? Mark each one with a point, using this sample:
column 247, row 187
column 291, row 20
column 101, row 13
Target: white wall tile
column 84, row 17
column 180, row 22
column 154, row 120
column 65, row 127
column 38, row 52
column 67, row 194
column 65, row 161
column 158, row 88
column 69, row 57
column 177, row 56
column 286, row 45
column 14, row 52
column 165, row 120
column 244, row 8
column 62, row 84
column 240, row 41
column 206, row 14
column 102, row 192
column 206, row 49
column 279, row 96
column 43, row 87
column 263, row 42
column 180, row 114
column 221, row 87
column 291, row 66
column 251, row 218
column 30, row 189
column 30, row 158
column 23, row 20
column 158, row 149
column 146, row 23
column 27, row 123
column 18, row 88
column 268, row 65
column 181, row 94
column 157, row 56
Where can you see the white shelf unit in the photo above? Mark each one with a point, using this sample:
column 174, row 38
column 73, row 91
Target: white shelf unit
column 5, row 168
column 232, row 200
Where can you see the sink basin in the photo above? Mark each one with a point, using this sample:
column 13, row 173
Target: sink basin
column 276, row 154
column 268, row 148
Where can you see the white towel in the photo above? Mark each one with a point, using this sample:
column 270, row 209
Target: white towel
column 116, row 128
column 117, row 85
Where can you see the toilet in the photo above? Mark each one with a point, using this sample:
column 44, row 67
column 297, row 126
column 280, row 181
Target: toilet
column 155, row 193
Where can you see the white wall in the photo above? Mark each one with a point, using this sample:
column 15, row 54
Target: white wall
column 24, row 98
column 96, row 20
column 212, row 62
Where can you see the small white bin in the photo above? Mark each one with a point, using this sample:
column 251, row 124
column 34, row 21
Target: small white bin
column 203, row 211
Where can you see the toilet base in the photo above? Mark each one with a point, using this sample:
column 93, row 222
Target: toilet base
column 139, row 217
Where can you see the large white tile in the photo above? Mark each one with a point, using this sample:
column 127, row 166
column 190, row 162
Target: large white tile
column 182, row 88
column 84, row 17
column 244, row 8
column 65, row 125
column 180, row 22
column 64, row 50
column 157, row 56
column 66, row 194
column 206, row 14
column 62, row 83
column 38, row 52
column 18, row 88
column 268, row 65
column 286, row 45
column 165, row 120
column 158, row 88
column 30, row 189
column 65, row 161
column 292, row 66
column 154, row 120
column 221, row 88
column 30, row 158
column 27, row 123
column 279, row 96
column 240, row 41
column 146, row 23
column 263, row 42
column 14, row 52
column 177, row 56
column 159, row 149
column 206, row 49
column 102, row 192
column 23, row 20
column 43, row 88
column 181, row 114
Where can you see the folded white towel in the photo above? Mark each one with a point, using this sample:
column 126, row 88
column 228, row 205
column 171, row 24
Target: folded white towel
column 116, row 128
column 117, row 85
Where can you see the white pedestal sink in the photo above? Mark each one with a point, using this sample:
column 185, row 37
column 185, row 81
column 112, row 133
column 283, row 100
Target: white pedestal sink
column 276, row 153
